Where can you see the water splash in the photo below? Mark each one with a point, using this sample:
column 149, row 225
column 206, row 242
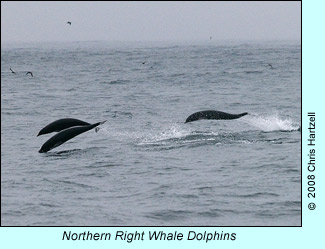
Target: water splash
column 176, row 135
column 271, row 122
column 145, row 136
column 174, row 131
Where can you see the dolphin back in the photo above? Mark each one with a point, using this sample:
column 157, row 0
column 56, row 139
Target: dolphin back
column 61, row 124
column 212, row 114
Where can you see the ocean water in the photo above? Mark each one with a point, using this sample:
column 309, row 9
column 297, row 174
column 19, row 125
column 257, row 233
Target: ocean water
column 145, row 167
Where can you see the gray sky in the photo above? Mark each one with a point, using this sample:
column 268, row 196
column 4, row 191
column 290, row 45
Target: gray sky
column 149, row 21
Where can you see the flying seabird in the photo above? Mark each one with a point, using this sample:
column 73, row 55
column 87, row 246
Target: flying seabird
column 69, row 23
column 12, row 71
column 30, row 73
column 270, row 65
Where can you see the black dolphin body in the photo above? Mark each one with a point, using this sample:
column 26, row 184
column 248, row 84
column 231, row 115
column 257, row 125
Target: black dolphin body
column 66, row 135
column 212, row 114
column 62, row 124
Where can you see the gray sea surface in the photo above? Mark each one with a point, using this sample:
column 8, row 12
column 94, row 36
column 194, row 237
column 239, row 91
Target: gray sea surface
column 145, row 167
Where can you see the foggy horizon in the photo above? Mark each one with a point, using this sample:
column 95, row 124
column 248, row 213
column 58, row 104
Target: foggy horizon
column 150, row 21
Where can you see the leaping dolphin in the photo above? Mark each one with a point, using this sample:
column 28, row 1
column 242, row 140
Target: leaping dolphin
column 61, row 124
column 212, row 114
column 66, row 135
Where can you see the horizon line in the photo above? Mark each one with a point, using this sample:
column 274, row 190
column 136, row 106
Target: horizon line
column 167, row 40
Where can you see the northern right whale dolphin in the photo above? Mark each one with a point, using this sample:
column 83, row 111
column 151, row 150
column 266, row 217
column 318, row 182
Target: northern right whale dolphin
column 61, row 124
column 212, row 114
column 66, row 135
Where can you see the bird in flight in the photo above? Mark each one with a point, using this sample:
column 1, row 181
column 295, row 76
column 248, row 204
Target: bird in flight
column 30, row 73
column 69, row 23
column 12, row 71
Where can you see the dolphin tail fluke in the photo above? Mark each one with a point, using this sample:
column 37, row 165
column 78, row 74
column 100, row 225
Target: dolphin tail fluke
column 243, row 114
column 100, row 123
